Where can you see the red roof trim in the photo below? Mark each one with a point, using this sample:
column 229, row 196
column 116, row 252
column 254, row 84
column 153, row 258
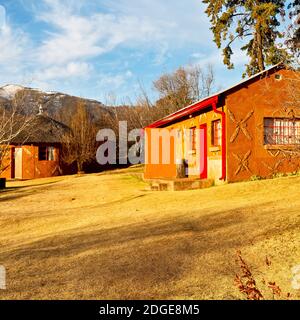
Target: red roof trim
column 184, row 112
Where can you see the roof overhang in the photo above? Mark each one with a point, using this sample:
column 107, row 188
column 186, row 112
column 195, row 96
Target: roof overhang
column 185, row 112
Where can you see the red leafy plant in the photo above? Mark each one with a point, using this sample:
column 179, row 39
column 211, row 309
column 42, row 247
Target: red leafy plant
column 247, row 284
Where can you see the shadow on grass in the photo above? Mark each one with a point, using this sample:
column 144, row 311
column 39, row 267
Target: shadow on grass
column 141, row 260
column 146, row 260
column 13, row 193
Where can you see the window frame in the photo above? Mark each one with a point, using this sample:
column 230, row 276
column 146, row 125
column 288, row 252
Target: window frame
column 287, row 134
column 48, row 153
column 216, row 133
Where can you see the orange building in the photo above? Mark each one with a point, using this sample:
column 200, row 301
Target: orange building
column 250, row 130
column 35, row 153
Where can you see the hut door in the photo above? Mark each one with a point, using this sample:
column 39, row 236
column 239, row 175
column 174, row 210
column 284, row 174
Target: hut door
column 18, row 163
column 203, row 151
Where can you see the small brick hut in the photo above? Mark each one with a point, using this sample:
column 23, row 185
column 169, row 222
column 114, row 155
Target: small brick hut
column 36, row 152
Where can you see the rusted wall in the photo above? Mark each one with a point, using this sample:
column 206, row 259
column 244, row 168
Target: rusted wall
column 247, row 107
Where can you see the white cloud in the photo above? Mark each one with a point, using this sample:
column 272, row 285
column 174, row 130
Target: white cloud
column 215, row 58
column 161, row 25
column 79, row 35
column 178, row 22
column 162, row 55
column 70, row 70
column 84, row 37
column 113, row 82
column 13, row 45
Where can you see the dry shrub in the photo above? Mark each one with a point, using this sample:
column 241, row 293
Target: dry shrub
column 247, row 284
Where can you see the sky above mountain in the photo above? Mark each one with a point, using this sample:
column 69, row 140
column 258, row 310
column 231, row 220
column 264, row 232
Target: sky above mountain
column 105, row 48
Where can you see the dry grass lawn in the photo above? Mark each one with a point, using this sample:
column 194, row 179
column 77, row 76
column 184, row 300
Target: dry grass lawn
column 107, row 237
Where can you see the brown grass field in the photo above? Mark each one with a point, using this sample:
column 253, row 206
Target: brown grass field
column 107, row 237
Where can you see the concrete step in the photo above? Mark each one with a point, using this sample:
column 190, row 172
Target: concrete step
column 179, row 184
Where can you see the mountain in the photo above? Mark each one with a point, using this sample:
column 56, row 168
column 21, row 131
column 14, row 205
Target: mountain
column 9, row 91
column 54, row 103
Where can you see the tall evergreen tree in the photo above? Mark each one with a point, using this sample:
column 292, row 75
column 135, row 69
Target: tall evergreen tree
column 256, row 23
column 293, row 40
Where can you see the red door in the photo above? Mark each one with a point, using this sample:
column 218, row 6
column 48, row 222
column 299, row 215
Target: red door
column 203, row 151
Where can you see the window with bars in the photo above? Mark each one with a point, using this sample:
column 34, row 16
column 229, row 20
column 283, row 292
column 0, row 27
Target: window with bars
column 46, row 153
column 279, row 131
column 216, row 133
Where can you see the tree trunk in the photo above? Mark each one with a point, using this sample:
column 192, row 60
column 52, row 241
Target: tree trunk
column 259, row 48
column 79, row 167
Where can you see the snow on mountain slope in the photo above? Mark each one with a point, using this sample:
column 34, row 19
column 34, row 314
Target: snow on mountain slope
column 10, row 90
column 53, row 102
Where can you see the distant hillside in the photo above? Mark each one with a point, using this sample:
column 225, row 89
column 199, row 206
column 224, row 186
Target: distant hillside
column 54, row 103
column 61, row 107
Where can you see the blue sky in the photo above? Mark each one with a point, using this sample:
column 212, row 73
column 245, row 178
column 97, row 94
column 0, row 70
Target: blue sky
column 102, row 48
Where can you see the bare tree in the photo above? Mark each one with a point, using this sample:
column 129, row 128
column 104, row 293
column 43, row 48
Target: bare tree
column 183, row 87
column 176, row 90
column 14, row 122
column 79, row 145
